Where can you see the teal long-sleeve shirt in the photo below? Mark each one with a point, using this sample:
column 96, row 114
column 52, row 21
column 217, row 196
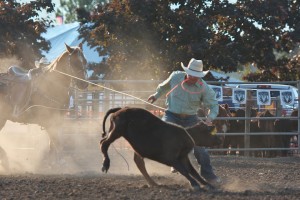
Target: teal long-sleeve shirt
column 186, row 99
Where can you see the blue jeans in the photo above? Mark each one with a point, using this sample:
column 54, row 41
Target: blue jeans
column 200, row 153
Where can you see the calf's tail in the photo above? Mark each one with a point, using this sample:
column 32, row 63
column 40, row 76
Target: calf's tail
column 110, row 111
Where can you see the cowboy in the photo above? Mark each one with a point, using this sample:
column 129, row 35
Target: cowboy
column 41, row 66
column 43, row 62
column 185, row 91
column 20, row 86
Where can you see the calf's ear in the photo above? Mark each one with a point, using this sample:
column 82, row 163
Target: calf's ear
column 213, row 130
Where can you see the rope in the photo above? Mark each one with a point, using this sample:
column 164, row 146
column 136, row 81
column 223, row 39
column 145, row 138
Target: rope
column 199, row 82
column 47, row 107
column 109, row 89
column 121, row 156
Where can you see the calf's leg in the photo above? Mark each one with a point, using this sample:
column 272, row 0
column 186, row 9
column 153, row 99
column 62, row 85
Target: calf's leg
column 140, row 163
column 104, row 145
column 182, row 168
column 195, row 174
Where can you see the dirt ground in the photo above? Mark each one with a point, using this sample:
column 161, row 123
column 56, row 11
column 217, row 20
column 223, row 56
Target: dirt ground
column 77, row 175
column 243, row 178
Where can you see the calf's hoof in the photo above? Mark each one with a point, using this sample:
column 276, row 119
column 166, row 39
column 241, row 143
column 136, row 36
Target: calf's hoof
column 105, row 165
column 104, row 169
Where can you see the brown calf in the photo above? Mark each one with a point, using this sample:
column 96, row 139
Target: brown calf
column 152, row 138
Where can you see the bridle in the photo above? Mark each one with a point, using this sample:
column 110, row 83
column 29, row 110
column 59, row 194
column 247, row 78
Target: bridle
column 81, row 59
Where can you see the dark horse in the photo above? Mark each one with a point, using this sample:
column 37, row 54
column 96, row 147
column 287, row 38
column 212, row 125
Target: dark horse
column 46, row 98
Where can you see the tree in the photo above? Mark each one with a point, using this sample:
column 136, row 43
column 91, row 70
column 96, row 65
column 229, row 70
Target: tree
column 21, row 29
column 141, row 38
column 73, row 9
column 259, row 32
column 149, row 39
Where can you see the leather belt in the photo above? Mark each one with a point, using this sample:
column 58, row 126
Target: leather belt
column 182, row 116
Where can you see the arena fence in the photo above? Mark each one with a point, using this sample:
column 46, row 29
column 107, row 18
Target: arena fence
column 90, row 106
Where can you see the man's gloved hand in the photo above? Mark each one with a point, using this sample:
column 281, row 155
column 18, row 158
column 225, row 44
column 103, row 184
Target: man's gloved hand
column 208, row 121
column 152, row 98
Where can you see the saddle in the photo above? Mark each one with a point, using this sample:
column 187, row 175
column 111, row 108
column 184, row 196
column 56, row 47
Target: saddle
column 19, row 74
column 19, row 87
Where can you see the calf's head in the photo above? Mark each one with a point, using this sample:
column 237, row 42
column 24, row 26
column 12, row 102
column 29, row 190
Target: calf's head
column 204, row 135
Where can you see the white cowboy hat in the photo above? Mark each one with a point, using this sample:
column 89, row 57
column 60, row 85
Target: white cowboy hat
column 43, row 61
column 194, row 68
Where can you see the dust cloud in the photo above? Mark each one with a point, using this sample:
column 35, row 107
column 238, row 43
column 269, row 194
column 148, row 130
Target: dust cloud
column 5, row 63
column 26, row 149
column 234, row 184
column 24, row 146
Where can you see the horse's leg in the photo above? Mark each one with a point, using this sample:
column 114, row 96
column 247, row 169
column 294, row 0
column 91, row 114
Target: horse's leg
column 4, row 112
column 4, row 159
column 2, row 122
column 3, row 118
column 54, row 143
column 140, row 163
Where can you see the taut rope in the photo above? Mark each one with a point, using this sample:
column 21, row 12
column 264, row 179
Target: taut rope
column 108, row 89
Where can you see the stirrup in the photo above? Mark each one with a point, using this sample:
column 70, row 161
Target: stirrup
column 16, row 112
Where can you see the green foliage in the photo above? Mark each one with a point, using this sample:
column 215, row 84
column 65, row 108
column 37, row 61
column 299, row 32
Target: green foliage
column 149, row 39
column 20, row 32
column 257, row 31
column 69, row 8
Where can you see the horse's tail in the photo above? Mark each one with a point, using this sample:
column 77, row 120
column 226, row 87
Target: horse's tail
column 110, row 111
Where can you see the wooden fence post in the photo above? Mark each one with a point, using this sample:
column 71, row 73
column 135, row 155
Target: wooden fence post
column 106, row 98
column 298, row 86
column 247, row 123
column 95, row 104
column 278, row 107
column 84, row 107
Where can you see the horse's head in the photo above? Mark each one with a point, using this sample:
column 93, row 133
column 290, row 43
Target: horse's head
column 77, row 65
column 221, row 124
column 265, row 124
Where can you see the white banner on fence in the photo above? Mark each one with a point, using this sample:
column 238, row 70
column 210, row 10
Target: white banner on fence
column 287, row 97
column 239, row 96
column 219, row 92
column 263, row 97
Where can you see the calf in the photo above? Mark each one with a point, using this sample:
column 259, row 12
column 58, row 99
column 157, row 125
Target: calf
column 282, row 141
column 152, row 138
column 265, row 125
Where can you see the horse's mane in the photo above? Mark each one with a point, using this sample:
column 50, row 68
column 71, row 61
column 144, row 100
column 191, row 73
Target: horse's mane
column 52, row 66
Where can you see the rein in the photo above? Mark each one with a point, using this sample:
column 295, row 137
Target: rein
column 48, row 98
